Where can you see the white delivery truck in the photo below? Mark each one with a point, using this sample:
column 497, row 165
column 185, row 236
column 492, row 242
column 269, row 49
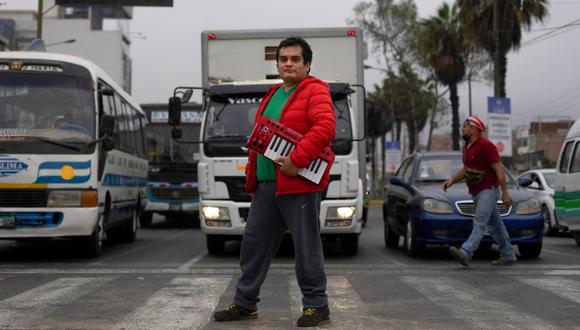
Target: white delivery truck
column 238, row 68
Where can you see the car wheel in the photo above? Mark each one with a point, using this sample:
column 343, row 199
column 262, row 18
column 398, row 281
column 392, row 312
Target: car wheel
column 146, row 219
column 391, row 238
column 349, row 244
column 576, row 235
column 530, row 251
column 411, row 246
column 215, row 244
column 547, row 221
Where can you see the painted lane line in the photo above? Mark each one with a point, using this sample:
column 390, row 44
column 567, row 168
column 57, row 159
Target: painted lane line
column 186, row 266
column 471, row 305
column 186, row 303
column 44, row 300
column 562, row 287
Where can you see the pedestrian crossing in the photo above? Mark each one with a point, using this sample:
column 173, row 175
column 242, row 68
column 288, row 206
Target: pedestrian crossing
column 186, row 301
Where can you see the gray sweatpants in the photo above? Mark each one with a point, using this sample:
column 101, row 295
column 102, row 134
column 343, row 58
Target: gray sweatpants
column 267, row 222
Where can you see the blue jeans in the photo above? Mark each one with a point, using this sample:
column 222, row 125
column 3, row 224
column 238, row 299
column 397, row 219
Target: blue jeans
column 487, row 217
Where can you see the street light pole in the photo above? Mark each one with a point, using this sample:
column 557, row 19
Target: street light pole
column 39, row 15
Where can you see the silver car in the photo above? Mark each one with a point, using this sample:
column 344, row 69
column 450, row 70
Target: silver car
column 543, row 187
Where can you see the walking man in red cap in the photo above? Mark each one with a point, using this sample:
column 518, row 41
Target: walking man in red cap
column 483, row 174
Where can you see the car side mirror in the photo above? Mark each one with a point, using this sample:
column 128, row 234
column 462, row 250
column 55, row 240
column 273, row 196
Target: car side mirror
column 524, row 181
column 107, row 125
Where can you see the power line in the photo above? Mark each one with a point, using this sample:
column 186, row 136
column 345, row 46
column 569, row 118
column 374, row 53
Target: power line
column 563, row 29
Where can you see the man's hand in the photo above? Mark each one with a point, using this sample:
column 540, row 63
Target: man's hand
column 506, row 198
column 288, row 168
column 448, row 183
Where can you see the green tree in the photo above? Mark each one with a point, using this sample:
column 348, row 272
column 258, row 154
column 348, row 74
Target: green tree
column 442, row 45
column 514, row 17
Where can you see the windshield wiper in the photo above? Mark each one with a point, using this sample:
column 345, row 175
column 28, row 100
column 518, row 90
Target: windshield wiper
column 60, row 144
column 229, row 137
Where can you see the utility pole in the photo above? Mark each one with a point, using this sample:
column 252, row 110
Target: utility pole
column 496, row 75
column 39, row 15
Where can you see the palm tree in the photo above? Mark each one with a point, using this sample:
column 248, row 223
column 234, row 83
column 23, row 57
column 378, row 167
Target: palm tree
column 441, row 43
column 514, row 16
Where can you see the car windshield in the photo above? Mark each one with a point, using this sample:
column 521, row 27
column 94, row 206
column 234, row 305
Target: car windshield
column 442, row 168
column 438, row 169
column 37, row 109
column 550, row 179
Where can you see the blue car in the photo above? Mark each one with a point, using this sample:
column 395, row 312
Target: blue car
column 417, row 208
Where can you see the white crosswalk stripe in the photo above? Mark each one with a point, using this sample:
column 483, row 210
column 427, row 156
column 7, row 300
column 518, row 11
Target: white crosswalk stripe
column 186, row 303
column 470, row 304
column 40, row 301
column 347, row 310
column 565, row 288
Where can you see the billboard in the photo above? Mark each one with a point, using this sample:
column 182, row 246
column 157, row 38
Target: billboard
column 499, row 123
column 133, row 3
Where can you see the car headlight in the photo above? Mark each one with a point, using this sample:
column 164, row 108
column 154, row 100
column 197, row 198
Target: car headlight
column 434, row 206
column 215, row 213
column 342, row 212
column 529, row 206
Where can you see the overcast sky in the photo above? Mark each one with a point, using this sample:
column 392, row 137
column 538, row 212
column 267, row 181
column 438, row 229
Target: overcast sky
column 543, row 79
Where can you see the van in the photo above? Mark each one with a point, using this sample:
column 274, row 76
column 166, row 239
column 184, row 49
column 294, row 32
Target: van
column 567, row 186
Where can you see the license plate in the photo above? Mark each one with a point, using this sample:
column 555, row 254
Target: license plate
column 7, row 222
column 174, row 207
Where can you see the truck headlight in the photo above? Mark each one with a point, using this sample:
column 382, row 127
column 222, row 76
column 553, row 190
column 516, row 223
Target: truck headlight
column 342, row 212
column 529, row 206
column 215, row 213
column 434, row 206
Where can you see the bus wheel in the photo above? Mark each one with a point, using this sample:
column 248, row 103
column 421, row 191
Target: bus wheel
column 146, row 219
column 129, row 232
column 215, row 244
column 94, row 243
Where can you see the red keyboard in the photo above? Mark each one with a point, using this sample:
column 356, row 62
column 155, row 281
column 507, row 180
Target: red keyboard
column 271, row 139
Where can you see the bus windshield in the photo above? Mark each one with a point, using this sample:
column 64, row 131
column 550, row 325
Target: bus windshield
column 162, row 148
column 37, row 109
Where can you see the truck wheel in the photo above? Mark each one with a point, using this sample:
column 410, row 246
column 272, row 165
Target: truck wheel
column 129, row 231
column 349, row 244
column 391, row 238
column 531, row 250
column 576, row 235
column 215, row 244
column 146, row 219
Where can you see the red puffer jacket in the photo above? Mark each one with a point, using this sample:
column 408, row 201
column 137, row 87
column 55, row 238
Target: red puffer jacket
column 310, row 112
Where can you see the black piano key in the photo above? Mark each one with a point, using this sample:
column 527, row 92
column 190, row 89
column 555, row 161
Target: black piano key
column 278, row 143
column 318, row 166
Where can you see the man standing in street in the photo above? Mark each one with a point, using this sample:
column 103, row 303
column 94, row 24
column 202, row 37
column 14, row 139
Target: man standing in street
column 484, row 174
column 281, row 199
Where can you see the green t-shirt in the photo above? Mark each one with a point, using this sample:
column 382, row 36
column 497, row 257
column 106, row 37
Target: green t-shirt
column 265, row 167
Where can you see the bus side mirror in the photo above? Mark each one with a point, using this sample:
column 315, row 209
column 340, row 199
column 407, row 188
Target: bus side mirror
column 174, row 118
column 107, row 125
column 176, row 133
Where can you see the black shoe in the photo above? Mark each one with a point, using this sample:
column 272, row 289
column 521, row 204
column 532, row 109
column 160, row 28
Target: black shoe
column 234, row 312
column 459, row 256
column 312, row 317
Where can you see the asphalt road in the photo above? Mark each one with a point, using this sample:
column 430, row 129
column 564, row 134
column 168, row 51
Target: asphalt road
column 166, row 280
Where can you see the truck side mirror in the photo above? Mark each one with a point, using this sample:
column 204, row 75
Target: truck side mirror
column 176, row 133
column 174, row 118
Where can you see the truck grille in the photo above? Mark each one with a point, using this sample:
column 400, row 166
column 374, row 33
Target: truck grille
column 23, row 197
column 174, row 194
column 468, row 208
column 236, row 187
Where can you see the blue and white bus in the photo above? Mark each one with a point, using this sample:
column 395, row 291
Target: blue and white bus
column 72, row 151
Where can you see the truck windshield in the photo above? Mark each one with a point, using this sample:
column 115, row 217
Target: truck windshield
column 43, row 113
column 229, row 124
